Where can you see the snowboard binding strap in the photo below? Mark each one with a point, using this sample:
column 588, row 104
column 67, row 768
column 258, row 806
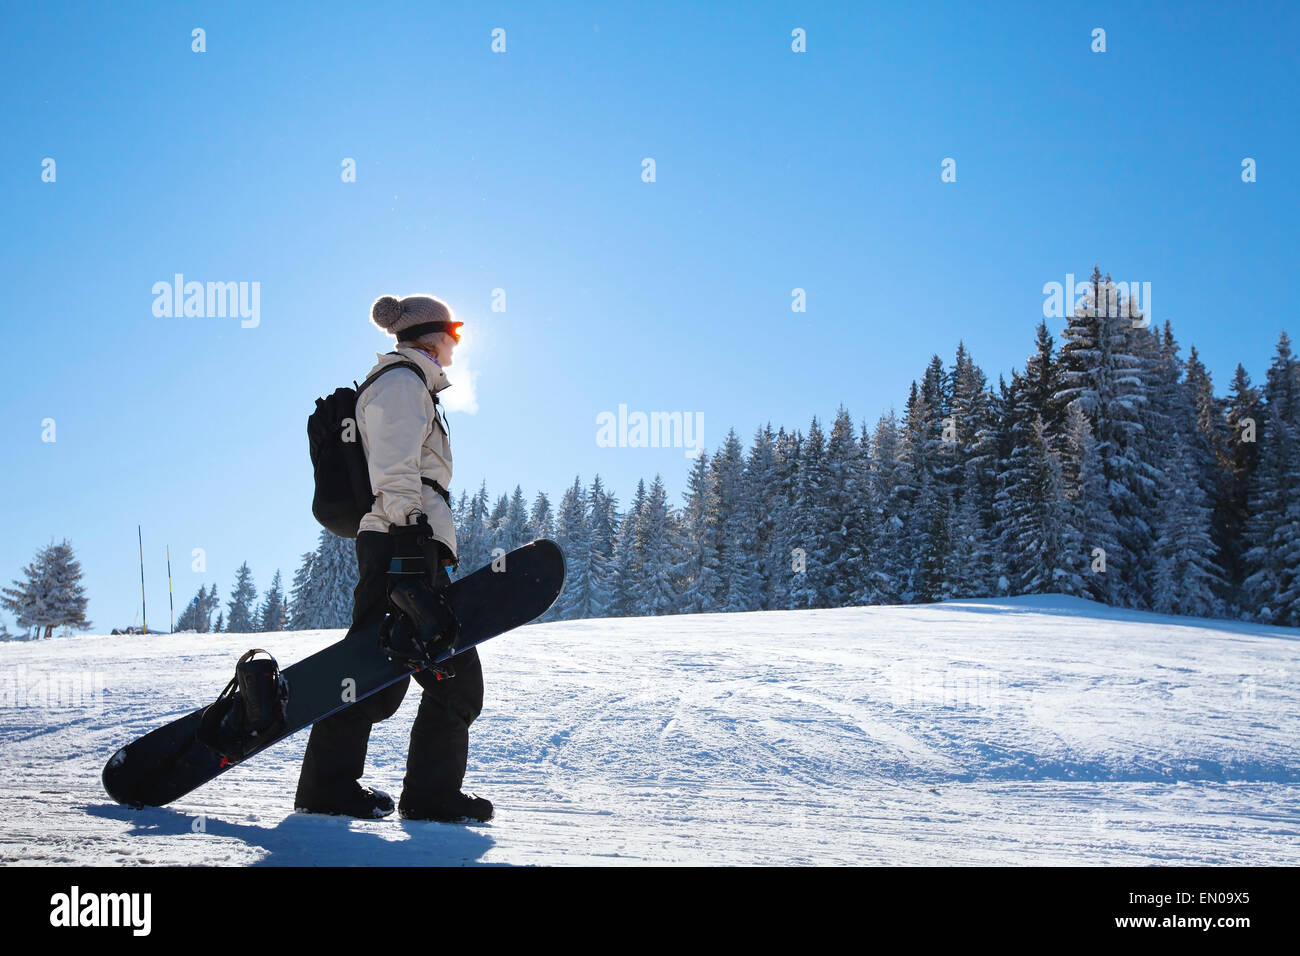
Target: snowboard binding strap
column 253, row 706
column 401, row 644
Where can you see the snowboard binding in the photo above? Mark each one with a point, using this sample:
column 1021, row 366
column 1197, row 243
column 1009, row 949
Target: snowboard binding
column 401, row 642
column 253, row 708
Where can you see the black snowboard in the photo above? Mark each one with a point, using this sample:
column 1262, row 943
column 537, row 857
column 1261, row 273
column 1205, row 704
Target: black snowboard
column 169, row 762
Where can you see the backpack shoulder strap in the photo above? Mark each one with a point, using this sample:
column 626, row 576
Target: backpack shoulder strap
column 388, row 368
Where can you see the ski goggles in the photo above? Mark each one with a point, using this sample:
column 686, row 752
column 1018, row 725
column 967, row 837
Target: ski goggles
column 415, row 331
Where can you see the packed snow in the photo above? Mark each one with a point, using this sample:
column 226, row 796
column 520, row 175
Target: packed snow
column 1036, row 730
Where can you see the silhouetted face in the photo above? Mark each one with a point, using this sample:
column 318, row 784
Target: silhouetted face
column 440, row 346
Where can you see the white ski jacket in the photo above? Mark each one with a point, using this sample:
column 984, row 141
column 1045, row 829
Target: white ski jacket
column 405, row 441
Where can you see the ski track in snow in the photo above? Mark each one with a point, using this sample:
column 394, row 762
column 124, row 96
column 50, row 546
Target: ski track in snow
column 1041, row 730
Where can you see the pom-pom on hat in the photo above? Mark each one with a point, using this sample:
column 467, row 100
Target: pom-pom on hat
column 413, row 316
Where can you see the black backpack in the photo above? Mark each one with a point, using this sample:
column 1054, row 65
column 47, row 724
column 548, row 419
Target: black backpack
column 343, row 495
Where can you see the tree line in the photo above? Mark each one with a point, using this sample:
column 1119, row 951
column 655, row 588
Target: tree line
column 1107, row 469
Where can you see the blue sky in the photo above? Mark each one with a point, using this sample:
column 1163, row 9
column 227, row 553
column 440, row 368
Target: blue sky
column 522, row 171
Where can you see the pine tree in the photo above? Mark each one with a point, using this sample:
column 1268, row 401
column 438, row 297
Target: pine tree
column 1186, row 579
column 189, row 619
column 931, row 528
column 572, row 537
column 1212, row 463
column 197, row 616
column 784, row 577
column 602, row 523
column 1272, row 561
column 700, row 582
column 758, row 513
column 627, row 563
column 999, row 445
column 220, row 626
column 845, row 500
column 1089, row 531
column 302, row 614
column 241, row 602
column 655, row 545
column 918, row 498
column 514, row 524
column 541, row 520
column 738, row 553
column 974, row 410
column 1208, row 416
column 943, row 462
column 814, row 522
column 1033, row 504
column 474, row 536
column 1104, row 364
column 890, row 491
column 496, row 522
column 52, row 594
column 206, row 607
column 273, row 614
column 1184, row 573
column 1245, row 416
column 970, row 564
column 333, row 581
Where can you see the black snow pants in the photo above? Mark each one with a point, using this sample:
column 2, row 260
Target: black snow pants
column 435, row 763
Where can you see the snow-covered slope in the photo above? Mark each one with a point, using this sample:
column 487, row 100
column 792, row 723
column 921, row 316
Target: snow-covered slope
column 1033, row 730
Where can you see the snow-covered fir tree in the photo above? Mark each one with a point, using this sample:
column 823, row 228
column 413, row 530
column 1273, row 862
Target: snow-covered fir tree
column 197, row 615
column 241, row 605
column 541, row 519
column 602, row 525
column 273, row 614
column 784, row 572
column 1089, row 534
column 1033, row 517
column 571, row 534
column 474, row 536
column 1184, row 572
column 514, row 531
column 1244, row 417
column 814, row 523
column 847, row 502
column 758, row 511
column 325, row 600
column 655, row 543
column 628, row 571
column 1186, row 580
column 888, row 577
column 1272, row 559
column 700, row 583
column 301, row 611
column 738, row 550
column 1103, row 367
column 51, row 593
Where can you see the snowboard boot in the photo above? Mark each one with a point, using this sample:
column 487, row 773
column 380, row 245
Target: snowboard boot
column 354, row 801
column 456, row 808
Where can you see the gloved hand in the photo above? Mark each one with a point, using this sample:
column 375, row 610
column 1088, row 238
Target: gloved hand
column 412, row 591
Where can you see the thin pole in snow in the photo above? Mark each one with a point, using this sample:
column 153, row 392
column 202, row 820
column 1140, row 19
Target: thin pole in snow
column 171, row 605
column 144, row 617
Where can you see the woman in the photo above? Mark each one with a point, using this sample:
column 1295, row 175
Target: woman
column 408, row 454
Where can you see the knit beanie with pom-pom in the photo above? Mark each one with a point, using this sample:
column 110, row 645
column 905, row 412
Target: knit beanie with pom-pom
column 411, row 317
